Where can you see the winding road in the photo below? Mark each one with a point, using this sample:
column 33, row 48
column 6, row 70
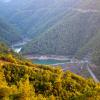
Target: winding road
column 92, row 74
column 86, row 65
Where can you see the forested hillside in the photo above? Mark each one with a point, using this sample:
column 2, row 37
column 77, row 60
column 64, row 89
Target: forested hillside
column 92, row 48
column 33, row 17
column 59, row 27
column 74, row 23
column 70, row 34
column 22, row 80
column 8, row 33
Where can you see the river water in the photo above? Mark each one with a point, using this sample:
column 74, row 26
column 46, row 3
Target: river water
column 48, row 61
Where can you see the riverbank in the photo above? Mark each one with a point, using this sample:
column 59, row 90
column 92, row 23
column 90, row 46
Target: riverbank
column 47, row 57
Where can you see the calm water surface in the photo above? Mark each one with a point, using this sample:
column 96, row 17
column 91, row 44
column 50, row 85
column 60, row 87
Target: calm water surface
column 48, row 61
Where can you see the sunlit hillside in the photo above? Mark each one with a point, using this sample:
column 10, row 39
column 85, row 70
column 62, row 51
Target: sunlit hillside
column 22, row 80
column 49, row 50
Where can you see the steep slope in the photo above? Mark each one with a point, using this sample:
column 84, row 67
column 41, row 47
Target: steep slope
column 70, row 34
column 35, row 16
column 8, row 33
column 73, row 22
column 93, row 45
column 92, row 51
column 22, row 80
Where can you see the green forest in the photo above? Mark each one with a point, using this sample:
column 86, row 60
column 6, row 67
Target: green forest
column 8, row 33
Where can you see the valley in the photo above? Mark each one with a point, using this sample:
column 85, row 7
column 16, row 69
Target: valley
column 79, row 67
column 61, row 30
column 49, row 50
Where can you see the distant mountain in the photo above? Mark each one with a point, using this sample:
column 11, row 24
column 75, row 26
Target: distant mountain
column 8, row 33
column 71, row 33
column 59, row 27
column 33, row 17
